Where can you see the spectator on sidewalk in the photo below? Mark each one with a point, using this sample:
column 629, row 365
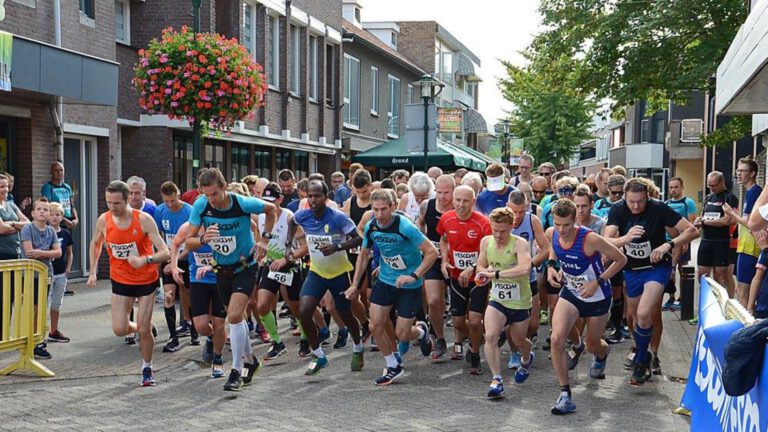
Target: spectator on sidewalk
column 39, row 242
column 61, row 269
column 12, row 220
column 56, row 190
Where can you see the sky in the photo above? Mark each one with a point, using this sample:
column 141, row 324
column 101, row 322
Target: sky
column 492, row 29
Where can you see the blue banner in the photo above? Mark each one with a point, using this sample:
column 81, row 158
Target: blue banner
column 711, row 408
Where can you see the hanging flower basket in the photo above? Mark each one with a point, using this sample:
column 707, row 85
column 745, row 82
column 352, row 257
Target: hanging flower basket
column 203, row 76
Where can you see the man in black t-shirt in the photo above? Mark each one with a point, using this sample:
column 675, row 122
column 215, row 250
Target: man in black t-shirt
column 715, row 226
column 638, row 224
column 287, row 182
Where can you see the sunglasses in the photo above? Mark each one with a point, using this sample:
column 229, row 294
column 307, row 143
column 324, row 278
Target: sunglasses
column 546, row 174
column 566, row 191
column 617, row 193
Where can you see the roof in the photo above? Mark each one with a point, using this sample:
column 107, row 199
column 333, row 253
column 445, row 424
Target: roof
column 368, row 40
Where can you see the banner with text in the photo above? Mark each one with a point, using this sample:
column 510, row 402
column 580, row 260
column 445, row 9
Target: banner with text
column 712, row 409
column 450, row 120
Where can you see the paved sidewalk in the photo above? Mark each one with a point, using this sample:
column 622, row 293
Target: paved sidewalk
column 96, row 387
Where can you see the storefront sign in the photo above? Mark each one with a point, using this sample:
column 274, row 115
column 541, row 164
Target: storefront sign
column 450, row 120
column 6, row 52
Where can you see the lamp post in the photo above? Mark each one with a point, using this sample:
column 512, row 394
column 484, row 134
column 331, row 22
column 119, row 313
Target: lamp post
column 196, row 127
column 428, row 85
column 505, row 142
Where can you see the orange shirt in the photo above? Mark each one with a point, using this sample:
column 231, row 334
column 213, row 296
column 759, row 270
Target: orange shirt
column 122, row 243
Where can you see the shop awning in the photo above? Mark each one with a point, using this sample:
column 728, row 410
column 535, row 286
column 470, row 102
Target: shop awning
column 474, row 122
column 393, row 154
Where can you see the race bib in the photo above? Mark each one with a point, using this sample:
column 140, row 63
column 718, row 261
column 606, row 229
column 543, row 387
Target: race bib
column 437, row 246
column 464, row 260
column 66, row 205
column 638, row 250
column 395, row 262
column 355, row 251
column 123, row 251
column 169, row 242
column 315, row 241
column 224, row 245
column 506, row 291
column 203, row 259
column 282, row 278
column 710, row 216
column 576, row 283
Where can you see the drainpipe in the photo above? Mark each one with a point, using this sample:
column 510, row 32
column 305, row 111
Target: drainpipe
column 57, row 109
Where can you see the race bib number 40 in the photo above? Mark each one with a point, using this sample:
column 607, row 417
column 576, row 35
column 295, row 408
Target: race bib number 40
column 464, row 260
column 506, row 291
column 638, row 250
column 282, row 278
column 224, row 245
column 395, row 262
column 125, row 250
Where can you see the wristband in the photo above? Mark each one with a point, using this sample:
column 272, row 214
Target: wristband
column 671, row 244
column 202, row 239
column 413, row 275
column 497, row 274
column 149, row 259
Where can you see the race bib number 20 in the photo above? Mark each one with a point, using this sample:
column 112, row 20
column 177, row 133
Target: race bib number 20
column 224, row 245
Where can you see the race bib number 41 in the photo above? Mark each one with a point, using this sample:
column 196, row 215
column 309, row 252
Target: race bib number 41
column 464, row 260
column 638, row 250
column 125, row 250
column 224, row 245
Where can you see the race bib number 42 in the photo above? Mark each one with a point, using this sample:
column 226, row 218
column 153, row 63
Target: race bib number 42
column 203, row 259
column 125, row 250
column 224, row 245
column 464, row 260
column 638, row 250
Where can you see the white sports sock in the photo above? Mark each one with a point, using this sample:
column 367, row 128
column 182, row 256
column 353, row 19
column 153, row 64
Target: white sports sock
column 357, row 347
column 391, row 361
column 145, row 365
column 238, row 336
column 318, row 352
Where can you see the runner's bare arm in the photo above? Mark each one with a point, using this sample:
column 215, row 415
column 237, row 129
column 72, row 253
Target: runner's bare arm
column 421, row 221
column 482, row 259
column 361, row 266
column 756, row 220
column 270, row 212
column 596, row 243
column 541, row 242
column 94, row 251
column 364, row 220
column 150, row 228
column 429, row 253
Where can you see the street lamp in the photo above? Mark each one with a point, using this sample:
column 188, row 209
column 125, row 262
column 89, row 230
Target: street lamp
column 430, row 89
column 196, row 126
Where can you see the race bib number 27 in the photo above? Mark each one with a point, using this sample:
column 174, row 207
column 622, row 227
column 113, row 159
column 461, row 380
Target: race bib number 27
column 124, row 250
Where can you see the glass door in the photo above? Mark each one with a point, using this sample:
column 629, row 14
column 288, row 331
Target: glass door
column 81, row 174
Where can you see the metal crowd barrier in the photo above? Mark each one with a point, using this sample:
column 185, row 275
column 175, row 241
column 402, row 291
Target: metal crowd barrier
column 23, row 324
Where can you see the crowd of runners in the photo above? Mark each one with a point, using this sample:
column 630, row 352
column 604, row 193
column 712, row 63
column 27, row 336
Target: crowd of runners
column 457, row 264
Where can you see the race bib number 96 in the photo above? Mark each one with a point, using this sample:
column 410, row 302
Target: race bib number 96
column 464, row 260
column 125, row 250
column 224, row 245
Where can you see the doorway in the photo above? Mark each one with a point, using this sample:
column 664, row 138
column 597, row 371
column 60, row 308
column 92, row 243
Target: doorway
column 81, row 174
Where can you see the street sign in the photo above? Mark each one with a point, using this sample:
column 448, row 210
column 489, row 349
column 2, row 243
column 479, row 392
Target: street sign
column 414, row 127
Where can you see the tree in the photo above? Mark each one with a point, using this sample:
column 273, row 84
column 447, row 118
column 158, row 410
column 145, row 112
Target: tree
column 629, row 50
column 552, row 116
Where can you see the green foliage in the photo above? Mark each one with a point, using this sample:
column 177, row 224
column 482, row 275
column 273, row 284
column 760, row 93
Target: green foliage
column 737, row 128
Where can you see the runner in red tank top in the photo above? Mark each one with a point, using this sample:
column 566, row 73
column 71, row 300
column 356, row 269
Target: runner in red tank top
column 461, row 231
column 129, row 236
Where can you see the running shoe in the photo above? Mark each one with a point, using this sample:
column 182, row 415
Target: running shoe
column 323, row 335
column 694, row 321
column 285, row 311
column 523, row 371
column 675, row 306
column 403, row 347
column 234, row 382
column 366, row 332
column 574, row 355
column 147, row 377
column 440, row 349
column 357, row 361
column 547, row 344
column 597, row 368
column 457, row 353
column 57, row 336
column 277, row 349
column 171, row 346
column 70, row 292
column 496, row 389
column 183, row 329
column 640, row 374
column 130, row 340
column 303, row 348
column 564, row 405
column 250, row 370
column 194, row 340
column 398, row 357
column 502, row 339
column 372, row 345
column 264, row 336
column 667, row 306
column 315, row 365
column 629, row 362
column 514, row 360
column 475, row 367
column 341, row 338
column 41, row 352
column 616, row 336
column 217, row 367
column 534, row 341
column 544, row 317
column 390, row 375
column 206, row 352
column 425, row 343
column 293, row 323
column 655, row 364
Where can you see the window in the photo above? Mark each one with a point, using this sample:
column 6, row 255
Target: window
column 248, row 38
column 241, row 161
column 123, row 21
column 393, row 39
column 410, row 94
column 214, row 155
column 301, row 167
column 273, row 63
column 374, row 90
column 87, row 8
column 182, row 161
column 659, row 130
column 447, row 67
column 645, row 131
column 393, row 115
column 313, row 67
column 295, row 60
column 330, row 72
column 282, row 158
column 351, row 91
column 262, row 166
